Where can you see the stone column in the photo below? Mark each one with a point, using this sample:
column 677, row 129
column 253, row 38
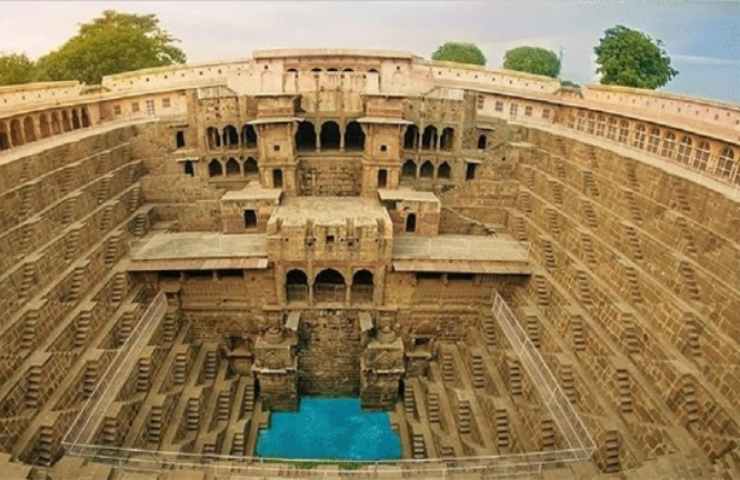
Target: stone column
column 275, row 367
column 317, row 131
column 382, row 367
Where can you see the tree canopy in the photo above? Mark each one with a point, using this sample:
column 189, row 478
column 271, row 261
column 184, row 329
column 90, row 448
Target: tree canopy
column 15, row 68
column 460, row 53
column 538, row 61
column 631, row 58
column 112, row 43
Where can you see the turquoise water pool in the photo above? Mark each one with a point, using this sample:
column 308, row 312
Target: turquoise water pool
column 332, row 429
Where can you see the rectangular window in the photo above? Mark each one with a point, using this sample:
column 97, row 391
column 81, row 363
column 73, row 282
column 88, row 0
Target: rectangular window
column 481, row 102
column 513, row 109
column 499, row 106
column 135, row 107
column 546, row 113
column 528, row 111
column 117, row 109
column 166, row 103
column 150, row 107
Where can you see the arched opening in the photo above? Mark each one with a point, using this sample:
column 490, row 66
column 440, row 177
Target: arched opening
column 250, row 167
column 330, row 136
column 250, row 219
column 249, row 137
column 482, row 141
column 447, row 140
column 362, row 287
column 305, row 137
column 654, row 140
column 684, row 149
column 426, row 170
column 316, row 71
column 188, row 168
column 411, row 138
column 429, row 139
column 215, row 168
column 408, row 170
column 669, row 145
column 85, row 118
column 293, row 71
column 372, row 70
column 329, row 286
column 296, row 286
column 56, row 126
column 354, row 137
column 28, row 129
column 444, row 170
column 231, row 136
column 347, row 70
column 180, row 139
column 701, row 156
column 332, row 70
column 4, row 137
column 640, row 136
column 65, row 121
column 726, row 163
column 232, row 167
column 15, row 132
column 382, row 178
column 75, row 120
column 277, row 178
column 44, row 127
column 411, row 223
column 214, row 139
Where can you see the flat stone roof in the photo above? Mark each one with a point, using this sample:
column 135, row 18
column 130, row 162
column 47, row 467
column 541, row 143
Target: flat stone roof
column 460, row 253
column 253, row 191
column 407, row 194
column 296, row 211
column 200, row 250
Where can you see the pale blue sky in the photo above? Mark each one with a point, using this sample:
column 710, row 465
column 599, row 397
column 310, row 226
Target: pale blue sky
column 702, row 37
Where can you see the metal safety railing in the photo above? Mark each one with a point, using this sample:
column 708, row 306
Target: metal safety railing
column 80, row 440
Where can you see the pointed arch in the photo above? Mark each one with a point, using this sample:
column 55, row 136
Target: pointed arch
column 411, row 138
column 362, row 287
column 330, row 136
column 354, row 137
column 444, row 170
column 249, row 136
column 305, row 137
column 232, row 167
column 429, row 138
column 426, row 170
column 250, row 167
column 215, row 168
column 231, row 137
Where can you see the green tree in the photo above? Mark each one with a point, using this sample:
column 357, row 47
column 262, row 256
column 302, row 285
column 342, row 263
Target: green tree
column 15, row 68
column 538, row 61
column 113, row 43
column 460, row 53
column 631, row 58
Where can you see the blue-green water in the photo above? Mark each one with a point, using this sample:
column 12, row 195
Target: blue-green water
column 329, row 428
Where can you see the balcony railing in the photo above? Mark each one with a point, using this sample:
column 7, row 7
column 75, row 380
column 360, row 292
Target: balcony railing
column 329, row 292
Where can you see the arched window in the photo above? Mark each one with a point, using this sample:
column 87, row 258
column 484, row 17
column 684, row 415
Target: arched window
column 56, row 126
column 427, row 170
column 45, row 129
column 305, row 137
column 232, row 167
column 654, row 140
column 65, row 121
column 611, row 131
column 482, row 140
column 701, row 156
column 4, row 137
column 362, row 287
column 332, row 70
column 28, row 129
column 215, row 169
column 429, row 139
column 330, row 137
column 726, row 163
column 75, row 120
column 684, row 150
column 411, row 223
column 250, row 167
column 85, row 118
column 214, row 139
column 250, row 218
column 444, row 170
column 316, row 71
column 231, row 137
column 277, row 178
column 640, row 135
column 347, row 70
column 293, row 71
column 447, row 139
column 408, row 170
column 669, row 145
column 296, row 286
column 580, row 120
column 329, row 286
column 372, row 70
column 249, row 137
column 411, row 138
column 15, row 132
column 354, row 137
